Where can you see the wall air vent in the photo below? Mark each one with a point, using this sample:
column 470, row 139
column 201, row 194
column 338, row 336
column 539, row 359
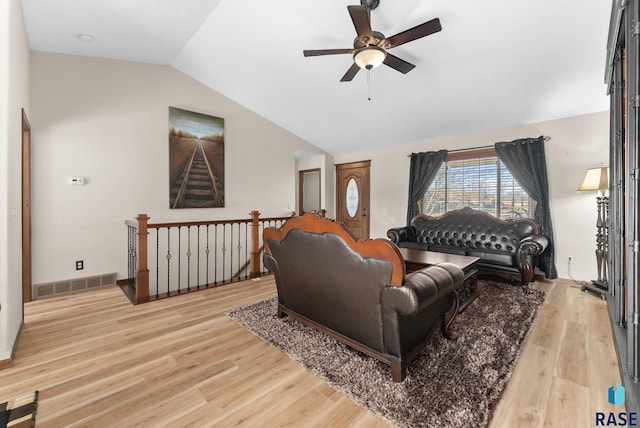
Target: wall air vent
column 57, row 288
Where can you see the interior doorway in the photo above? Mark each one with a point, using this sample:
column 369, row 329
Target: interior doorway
column 352, row 197
column 309, row 190
column 26, row 210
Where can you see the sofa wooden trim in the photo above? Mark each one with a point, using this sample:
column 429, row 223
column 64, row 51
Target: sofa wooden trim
column 368, row 248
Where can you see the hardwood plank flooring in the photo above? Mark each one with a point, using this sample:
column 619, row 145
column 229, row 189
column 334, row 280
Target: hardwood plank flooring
column 566, row 366
column 99, row 361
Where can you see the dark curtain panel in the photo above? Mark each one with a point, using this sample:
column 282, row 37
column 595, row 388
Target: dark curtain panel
column 423, row 169
column 525, row 160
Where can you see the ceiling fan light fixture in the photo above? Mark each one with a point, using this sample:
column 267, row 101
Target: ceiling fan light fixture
column 369, row 57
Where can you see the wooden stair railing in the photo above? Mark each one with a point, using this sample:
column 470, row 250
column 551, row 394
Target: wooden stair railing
column 137, row 286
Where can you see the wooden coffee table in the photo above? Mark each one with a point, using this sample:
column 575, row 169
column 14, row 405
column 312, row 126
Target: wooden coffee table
column 418, row 259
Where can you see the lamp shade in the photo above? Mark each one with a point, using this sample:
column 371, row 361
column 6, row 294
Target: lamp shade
column 596, row 179
column 370, row 57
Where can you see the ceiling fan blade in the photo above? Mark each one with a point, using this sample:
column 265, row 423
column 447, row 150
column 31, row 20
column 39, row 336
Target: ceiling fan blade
column 319, row 52
column 360, row 18
column 398, row 64
column 351, row 73
column 414, row 33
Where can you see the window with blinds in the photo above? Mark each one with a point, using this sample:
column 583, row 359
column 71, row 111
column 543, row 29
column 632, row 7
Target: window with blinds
column 476, row 179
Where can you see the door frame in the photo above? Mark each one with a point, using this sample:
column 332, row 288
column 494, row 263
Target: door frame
column 26, row 211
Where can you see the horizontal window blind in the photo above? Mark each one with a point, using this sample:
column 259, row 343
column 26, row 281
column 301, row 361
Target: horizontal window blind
column 482, row 183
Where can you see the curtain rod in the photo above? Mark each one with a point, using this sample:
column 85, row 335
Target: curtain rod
column 546, row 138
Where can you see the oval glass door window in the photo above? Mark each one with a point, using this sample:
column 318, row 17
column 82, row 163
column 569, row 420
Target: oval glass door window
column 353, row 197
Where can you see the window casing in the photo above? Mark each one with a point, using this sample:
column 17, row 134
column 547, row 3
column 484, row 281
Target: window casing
column 479, row 180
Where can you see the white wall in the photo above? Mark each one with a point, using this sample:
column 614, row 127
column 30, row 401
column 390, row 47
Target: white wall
column 577, row 143
column 108, row 121
column 14, row 96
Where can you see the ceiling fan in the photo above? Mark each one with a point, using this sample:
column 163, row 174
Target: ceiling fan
column 370, row 48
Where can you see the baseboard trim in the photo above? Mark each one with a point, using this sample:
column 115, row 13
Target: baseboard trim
column 539, row 277
column 5, row 364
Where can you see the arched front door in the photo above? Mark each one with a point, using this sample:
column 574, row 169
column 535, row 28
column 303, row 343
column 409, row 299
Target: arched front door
column 352, row 197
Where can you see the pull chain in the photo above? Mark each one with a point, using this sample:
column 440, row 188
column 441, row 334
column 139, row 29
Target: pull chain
column 369, row 82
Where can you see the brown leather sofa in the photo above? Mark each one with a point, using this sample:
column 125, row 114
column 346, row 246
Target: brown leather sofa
column 357, row 291
column 504, row 247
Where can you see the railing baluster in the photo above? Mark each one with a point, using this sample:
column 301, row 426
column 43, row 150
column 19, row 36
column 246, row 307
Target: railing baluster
column 215, row 258
column 168, row 260
column 231, row 252
column 246, row 247
column 198, row 260
column 224, row 249
column 207, row 253
column 188, row 258
column 157, row 261
column 239, row 247
column 179, row 256
column 263, row 270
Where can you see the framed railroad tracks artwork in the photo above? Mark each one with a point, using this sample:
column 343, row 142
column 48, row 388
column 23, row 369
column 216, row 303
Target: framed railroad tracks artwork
column 196, row 160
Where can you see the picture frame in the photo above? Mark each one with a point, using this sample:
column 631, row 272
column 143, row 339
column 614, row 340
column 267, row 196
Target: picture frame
column 196, row 160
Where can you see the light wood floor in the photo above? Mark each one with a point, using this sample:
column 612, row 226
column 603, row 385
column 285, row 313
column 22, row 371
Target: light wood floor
column 98, row 361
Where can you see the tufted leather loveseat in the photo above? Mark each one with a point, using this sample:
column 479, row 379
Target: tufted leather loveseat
column 357, row 291
column 503, row 246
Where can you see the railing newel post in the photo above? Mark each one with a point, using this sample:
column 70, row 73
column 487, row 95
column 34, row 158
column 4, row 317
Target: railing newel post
column 142, row 276
column 255, row 244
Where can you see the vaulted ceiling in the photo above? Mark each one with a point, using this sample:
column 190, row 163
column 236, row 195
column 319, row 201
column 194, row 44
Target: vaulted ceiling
column 496, row 63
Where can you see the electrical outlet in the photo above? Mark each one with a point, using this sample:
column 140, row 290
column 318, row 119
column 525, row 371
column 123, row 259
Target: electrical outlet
column 79, row 264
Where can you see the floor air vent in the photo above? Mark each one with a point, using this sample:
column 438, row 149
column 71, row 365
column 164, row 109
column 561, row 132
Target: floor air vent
column 57, row 288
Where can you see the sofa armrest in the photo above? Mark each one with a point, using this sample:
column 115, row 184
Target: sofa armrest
column 529, row 246
column 534, row 245
column 402, row 234
column 423, row 287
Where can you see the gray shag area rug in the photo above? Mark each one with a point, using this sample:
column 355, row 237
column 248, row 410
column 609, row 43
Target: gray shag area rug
column 450, row 384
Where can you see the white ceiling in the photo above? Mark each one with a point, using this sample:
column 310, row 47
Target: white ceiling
column 496, row 63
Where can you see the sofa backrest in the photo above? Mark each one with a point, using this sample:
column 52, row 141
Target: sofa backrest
column 381, row 249
column 473, row 229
